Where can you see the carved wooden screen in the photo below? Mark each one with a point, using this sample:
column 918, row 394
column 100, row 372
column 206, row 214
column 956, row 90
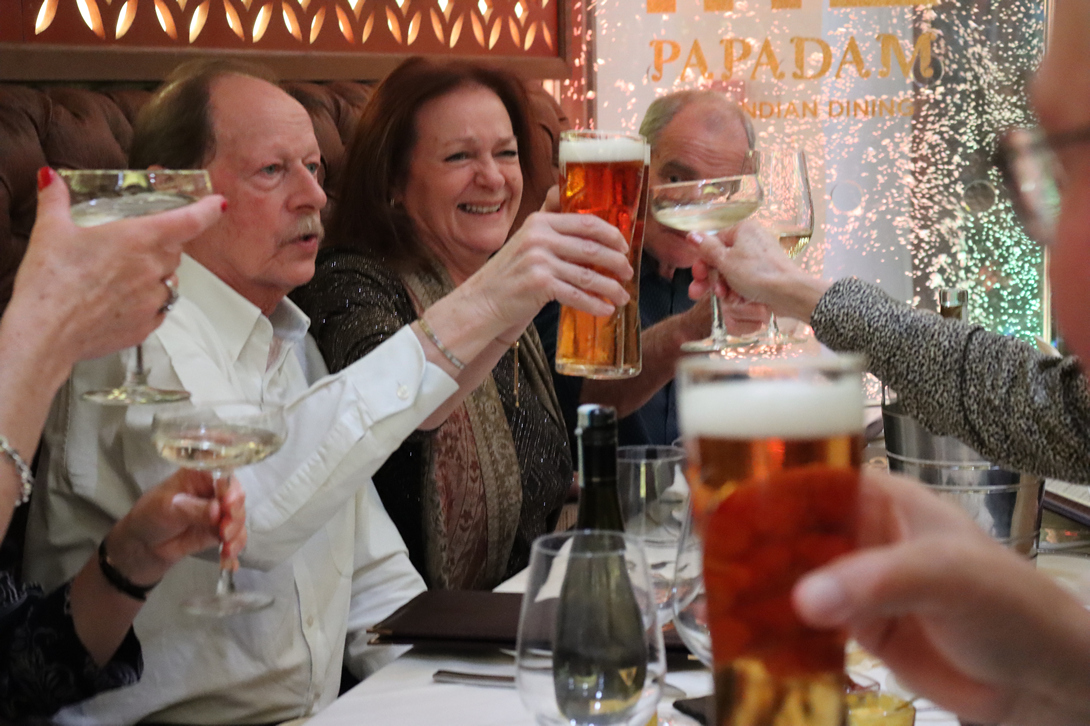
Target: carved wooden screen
column 314, row 39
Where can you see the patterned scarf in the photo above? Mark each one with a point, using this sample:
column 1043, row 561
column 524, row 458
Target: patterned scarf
column 473, row 490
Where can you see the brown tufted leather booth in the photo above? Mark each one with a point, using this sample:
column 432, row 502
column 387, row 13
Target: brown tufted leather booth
column 80, row 128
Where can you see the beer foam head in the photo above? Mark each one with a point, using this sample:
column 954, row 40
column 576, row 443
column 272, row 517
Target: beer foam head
column 757, row 409
column 584, row 149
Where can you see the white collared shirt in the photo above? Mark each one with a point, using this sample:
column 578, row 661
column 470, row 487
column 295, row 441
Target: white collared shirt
column 320, row 541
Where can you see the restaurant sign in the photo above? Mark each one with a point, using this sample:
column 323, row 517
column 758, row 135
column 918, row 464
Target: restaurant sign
column 898, row 105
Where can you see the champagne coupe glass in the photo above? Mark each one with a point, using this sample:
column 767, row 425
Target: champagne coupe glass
column 218, row 437
column 99, row 196
column 590, row 649
column 708, row 205
column 787, row 210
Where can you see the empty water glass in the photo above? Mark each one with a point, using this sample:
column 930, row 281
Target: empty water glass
column 590, row 649
column 654, row 496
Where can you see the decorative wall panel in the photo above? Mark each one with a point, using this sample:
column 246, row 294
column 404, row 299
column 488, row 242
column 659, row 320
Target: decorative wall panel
column 340, row 37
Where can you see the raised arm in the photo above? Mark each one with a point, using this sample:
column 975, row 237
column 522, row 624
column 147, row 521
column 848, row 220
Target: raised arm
column 79, row 293
column 1014, row 405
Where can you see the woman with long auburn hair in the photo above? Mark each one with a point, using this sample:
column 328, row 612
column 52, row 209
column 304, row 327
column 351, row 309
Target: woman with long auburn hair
column 432, row 184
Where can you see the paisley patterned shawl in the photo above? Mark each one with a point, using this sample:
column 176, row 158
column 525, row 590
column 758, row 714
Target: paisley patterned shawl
column 473, row 465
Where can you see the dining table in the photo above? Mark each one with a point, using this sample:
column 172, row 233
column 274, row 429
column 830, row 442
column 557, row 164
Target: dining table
column 405, row 692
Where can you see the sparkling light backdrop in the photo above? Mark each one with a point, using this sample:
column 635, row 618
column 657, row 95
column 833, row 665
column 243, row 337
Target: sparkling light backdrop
column 898, row 107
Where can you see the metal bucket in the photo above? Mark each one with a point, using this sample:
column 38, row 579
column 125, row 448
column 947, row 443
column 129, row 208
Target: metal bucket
column 1005, row 503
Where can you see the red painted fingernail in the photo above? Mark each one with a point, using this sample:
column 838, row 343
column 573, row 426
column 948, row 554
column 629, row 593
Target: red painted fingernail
column 45, row 177
column 223, row 206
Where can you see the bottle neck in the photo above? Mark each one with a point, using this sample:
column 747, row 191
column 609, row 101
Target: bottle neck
column 598, row 463
column 599, row 503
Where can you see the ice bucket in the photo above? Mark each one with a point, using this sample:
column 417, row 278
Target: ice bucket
column 1005, row 503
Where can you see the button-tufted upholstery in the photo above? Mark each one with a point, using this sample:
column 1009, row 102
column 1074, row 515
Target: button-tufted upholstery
column 81, row 128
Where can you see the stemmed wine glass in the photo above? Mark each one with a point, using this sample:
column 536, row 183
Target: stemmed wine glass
column 787, row 210
column 99, row 196
column 708, row 205
column 688, row 599
column 654, row 496
column 219, row 437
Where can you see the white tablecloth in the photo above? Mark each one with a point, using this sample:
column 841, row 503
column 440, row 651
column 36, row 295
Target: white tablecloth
column 403, row 693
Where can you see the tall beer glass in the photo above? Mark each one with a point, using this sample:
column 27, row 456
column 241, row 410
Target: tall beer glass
column 774, row 449
column 602, row 173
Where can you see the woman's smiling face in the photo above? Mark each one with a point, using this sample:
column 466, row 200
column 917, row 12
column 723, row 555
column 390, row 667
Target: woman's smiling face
column 464, row 183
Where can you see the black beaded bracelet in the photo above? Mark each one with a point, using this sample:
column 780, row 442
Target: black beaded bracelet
column 119, row 581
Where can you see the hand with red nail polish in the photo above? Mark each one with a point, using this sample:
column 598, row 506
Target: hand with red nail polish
column 80, row 292
column 94, row 290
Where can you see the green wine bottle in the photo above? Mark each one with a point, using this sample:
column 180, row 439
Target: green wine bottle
column 596, row 443
column 600, row 649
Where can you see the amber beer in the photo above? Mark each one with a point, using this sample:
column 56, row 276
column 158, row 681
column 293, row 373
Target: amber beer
column 603, row 174
column 775, row 448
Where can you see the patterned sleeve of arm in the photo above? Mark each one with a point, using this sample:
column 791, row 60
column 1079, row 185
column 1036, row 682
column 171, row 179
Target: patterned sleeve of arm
column 1014, row 405
column 46, row 665
column 354, row 304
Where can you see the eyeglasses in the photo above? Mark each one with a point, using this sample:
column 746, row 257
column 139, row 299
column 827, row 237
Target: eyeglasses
column 1034, row 177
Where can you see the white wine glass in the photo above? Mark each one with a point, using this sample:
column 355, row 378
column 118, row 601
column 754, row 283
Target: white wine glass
column 708, row 205
column 787, row 210
column 218, row 438
column 99, row 196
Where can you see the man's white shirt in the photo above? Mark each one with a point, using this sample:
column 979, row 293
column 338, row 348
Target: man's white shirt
column 320, row 541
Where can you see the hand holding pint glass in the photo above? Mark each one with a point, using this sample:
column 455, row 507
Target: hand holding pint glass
column 775, row 448
column 603, row 173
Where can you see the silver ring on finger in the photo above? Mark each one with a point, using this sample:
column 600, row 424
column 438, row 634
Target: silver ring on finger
column 172, row 295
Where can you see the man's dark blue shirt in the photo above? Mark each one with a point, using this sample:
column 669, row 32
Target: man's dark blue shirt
column 656, row 421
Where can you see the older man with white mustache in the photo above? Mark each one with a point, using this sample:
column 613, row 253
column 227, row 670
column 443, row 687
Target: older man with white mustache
column 321, row 543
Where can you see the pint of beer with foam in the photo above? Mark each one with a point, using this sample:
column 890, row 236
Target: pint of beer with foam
column 603, row 173
column 774, row 449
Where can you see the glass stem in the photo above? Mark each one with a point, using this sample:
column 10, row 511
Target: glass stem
column 137, row 376
column 773, row 334
column 719, row 330
column 225, row 585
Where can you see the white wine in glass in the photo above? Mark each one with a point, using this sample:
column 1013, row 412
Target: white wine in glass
column 100, row 196
column 218, row 438
column 794, row 240
column 708, row 205
column 706, row 217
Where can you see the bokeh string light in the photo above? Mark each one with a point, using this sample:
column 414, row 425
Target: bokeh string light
column 903, row 156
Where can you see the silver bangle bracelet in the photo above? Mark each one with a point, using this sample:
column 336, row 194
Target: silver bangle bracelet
column 20, row 465
column 426, row 329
